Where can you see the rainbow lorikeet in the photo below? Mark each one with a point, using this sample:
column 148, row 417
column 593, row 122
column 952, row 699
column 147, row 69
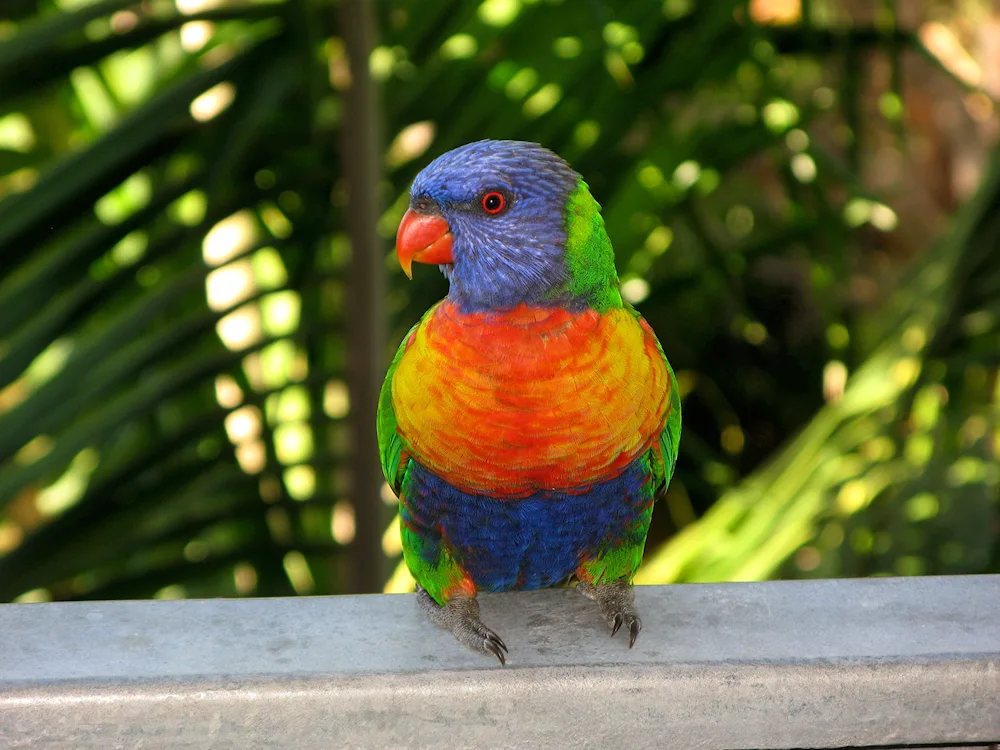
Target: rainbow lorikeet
column 530, row 419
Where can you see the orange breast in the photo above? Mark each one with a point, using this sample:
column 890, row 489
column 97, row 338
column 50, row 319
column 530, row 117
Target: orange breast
column 511, row 403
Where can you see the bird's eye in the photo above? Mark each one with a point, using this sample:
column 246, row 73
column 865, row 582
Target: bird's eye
column 494, row 202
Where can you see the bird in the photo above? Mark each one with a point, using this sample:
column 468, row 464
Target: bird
column 530, row 419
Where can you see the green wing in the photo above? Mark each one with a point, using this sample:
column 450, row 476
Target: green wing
column 391, row 448
column 663, row 460
column 390, row 443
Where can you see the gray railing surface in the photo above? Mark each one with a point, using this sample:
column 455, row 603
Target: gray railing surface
column 828, row 664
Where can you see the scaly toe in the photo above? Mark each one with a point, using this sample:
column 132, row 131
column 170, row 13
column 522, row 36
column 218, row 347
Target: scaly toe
column 616, row 623
column 460, row 615
column 617, row 603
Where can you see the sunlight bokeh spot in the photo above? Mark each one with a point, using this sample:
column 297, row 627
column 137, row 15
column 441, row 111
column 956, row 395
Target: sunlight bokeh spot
column 252, row 456
column 230, row 284
column 882, row 217
column 392, row 542
column 243, row 424
column 922, row 507
column 918, row 449
column 297, row 570
column 905, row 371
column 410, row 143
column 293, row 442
column 131, row 75
column 777, row 12
column 230, row 237
column 659, row 240
column 227, row 392
column 834, row 381
column 779, row 115
column 943, row 43
column 567, row 47
column 16, row 133
column 190, row 208
column 387, row 495
column 380, row 63
column 342, row 525
column 858, row 211
column 797, row 139
column 300, row 481
column 275, row 221
column 123, row 201
column 50, row 362
column 804, row 168
column 275, row 364
column 67, row 490
column 522, row 82
column 677, row 8
column 499, row 13
column 586, row 133
column 245, row 578
column 281, row 312
column 213, row 102
column 401, row 581
column 807, row 558
column 542, row 100
column 190, row 7
column 240, row 328
column 35, row 596
column 11, row 535
column 336, row 399
column 94, row 98
column 853, row 496
column 130, row 249
column 269, row 269
column 686, row 174
column 632, row 52
column 459, row 47
column 635, row 290
column 294, row 404
column 650, row 176
column 124, row 21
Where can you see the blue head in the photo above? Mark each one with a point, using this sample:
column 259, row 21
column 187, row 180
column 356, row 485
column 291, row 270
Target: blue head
column 505, row 204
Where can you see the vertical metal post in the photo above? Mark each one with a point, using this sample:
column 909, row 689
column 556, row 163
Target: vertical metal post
column 366, row 329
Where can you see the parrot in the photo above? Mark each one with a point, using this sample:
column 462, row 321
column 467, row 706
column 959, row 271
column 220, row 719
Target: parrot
column 530, row 419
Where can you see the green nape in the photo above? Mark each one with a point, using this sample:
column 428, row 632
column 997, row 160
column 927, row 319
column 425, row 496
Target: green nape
column 590, row 258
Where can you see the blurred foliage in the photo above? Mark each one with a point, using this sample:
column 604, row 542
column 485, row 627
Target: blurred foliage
column 173, row 404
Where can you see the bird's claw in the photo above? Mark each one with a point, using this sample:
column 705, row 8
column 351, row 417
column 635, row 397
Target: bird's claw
column 460, row 615
column 616, row 622
column 617, row 603
column 633, row 631
column 495, row 645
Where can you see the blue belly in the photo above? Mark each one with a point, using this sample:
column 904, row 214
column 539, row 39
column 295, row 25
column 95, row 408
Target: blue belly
column 526, row 543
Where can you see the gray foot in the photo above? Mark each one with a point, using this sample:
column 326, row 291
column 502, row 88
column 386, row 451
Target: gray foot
column 461, row 616
column 617, row 603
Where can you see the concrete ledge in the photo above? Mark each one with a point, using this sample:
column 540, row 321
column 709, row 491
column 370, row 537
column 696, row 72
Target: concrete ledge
column 823, row 664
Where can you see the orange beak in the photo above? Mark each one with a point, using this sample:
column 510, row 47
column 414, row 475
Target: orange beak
column 422, row 238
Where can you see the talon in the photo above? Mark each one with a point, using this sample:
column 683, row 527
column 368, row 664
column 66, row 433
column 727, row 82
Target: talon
column 617, row 603
column 498, row 640
column 460, row 615
column 616, row 623
column 633, row 631
column 492, row 647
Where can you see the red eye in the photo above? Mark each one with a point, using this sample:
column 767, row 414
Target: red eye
column 493, row 202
